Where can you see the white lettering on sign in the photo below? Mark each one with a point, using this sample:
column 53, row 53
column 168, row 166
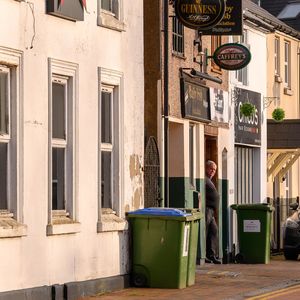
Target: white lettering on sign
column 251, row 226
column 186, row 240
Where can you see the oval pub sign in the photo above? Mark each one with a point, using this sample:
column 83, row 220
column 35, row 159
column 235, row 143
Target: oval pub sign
column 200, row 14
column 232, row 56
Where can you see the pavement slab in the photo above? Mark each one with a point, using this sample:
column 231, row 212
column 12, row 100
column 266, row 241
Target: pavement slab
column 224, row 282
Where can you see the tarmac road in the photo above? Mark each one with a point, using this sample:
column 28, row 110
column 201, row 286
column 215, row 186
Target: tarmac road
column 278, row 280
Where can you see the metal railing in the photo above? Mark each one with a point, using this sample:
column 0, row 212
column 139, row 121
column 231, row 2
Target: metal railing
column 281, row 213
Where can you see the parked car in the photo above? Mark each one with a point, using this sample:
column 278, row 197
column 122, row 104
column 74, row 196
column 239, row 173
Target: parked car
column 291, row 234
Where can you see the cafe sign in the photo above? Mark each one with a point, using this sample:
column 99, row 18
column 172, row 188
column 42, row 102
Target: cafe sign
column 232, row 56
column 200, row 14
column 247, row 129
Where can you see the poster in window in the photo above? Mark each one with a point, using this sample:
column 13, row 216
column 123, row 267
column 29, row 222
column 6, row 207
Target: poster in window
column 218, row 105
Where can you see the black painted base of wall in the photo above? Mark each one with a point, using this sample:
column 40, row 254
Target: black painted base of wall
column 69, row 291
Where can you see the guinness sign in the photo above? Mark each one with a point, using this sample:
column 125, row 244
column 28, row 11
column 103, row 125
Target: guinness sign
column 200, row 14
column 232, row 56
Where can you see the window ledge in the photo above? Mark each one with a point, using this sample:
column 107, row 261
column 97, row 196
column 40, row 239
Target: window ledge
column 9, row 227
column 278, row 78
column 288, row 91
column 179, row 55
column 109, row 21
column 63, row 225
column 111, row 222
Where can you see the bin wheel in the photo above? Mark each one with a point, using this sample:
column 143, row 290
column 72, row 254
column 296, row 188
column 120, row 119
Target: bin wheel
column 239, row 258
column 139, row 280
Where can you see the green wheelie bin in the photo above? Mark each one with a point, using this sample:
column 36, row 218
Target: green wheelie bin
column 254, row 229
column 164, row 246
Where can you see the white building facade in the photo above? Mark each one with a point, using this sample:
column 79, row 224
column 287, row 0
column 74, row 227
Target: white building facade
column 248, row 134
column 71, row 144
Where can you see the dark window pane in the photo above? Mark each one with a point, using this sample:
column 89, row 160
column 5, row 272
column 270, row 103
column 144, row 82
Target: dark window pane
column 106, row 191
column 3, row 176
column 106, row 4
column 106, row 122
column 3, row 104
column 58, row 178
column 58, row 111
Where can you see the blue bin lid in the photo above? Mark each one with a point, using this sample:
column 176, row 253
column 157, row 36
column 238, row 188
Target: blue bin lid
column 158, row 211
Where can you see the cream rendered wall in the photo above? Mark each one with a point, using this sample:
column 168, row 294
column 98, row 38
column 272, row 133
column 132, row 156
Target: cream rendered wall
column 37, row 259
column 257, row 81
column 290, row 103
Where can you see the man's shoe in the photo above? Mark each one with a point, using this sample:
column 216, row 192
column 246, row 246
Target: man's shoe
column 215, row 260
column 208, row 261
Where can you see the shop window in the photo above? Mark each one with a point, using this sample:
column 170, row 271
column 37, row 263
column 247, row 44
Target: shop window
column 11, row 153
column 62, row 150
column 243, row 175
column 110, row 14
column 177, row 37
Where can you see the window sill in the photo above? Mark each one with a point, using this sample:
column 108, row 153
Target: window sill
column 278, row 78
column 63, row 225
column 109, row 21
column 288, row 91
column 111, row 222
column 10, row 228
column 179, row 55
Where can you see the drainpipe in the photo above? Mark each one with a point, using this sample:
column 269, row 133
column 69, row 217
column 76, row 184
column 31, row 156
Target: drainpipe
column 166, row 103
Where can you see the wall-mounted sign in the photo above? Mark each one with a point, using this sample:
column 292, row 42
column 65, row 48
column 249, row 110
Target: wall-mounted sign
column 232, row 56
column 67, row 9
column 247, row 129
column 200, row 14
column 218, row 105
column 232, row 22
column 194, row 101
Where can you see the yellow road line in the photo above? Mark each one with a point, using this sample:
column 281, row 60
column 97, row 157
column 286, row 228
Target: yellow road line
column 280, row 292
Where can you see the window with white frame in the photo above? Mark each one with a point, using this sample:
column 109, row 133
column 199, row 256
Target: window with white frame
column 62, row 120
column 60, row 155
column 242, row 74
column 178, row 37
column 107, row 147
column 5, row 135
column 110, row 14
column 243, row 172
column 110, row 156
column 110, row 6
column 287, row 64
column 11, row 153
column 277, row 55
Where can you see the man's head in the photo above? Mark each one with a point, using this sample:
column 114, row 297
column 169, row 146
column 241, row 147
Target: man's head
column 210, row 169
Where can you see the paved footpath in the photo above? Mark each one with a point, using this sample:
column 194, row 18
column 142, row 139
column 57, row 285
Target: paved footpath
column 278, row 280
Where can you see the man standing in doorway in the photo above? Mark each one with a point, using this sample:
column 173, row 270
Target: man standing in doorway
column 212, row 202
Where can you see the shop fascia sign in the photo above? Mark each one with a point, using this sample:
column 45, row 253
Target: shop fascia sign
column 232, row 56
column 200, row 14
